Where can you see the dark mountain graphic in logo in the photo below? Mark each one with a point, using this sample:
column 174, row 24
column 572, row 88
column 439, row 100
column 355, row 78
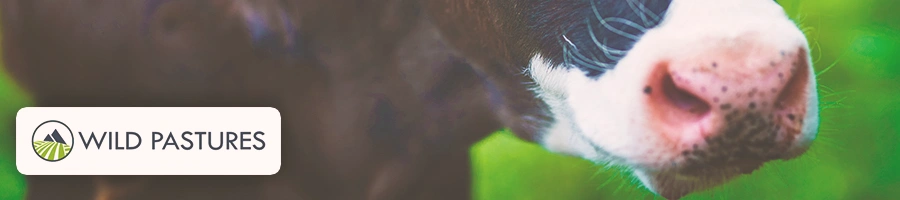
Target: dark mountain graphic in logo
column 54, row 137
column 53, row 147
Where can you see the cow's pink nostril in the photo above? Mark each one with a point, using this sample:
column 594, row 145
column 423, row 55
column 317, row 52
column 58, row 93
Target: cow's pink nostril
column 682, row 99
column 676, row 107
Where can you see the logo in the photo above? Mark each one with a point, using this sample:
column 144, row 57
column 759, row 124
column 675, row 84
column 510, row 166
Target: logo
column 52, row 140
column 148, row 140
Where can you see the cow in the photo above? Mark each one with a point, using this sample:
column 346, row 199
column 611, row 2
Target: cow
column 381, row 99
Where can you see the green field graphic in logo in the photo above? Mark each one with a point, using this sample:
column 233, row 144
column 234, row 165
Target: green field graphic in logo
column 50, row 149
column 52, row 140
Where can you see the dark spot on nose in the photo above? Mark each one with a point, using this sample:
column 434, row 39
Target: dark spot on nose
column 791, row 117
column 715, row 99
column 782, row 53
column 685, row 153
column 725, row 106
column 699, row 153
column 724, row 89
column 752, row 105
column 715, row 64
column 648, row 90
column 780, row 75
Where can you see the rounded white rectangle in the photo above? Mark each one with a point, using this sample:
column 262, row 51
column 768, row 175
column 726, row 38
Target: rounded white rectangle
column 148, row 141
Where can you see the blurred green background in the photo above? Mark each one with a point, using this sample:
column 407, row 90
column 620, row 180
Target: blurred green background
column 856, row 156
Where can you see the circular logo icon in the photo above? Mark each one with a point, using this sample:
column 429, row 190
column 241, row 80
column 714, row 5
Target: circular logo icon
column 52, row 140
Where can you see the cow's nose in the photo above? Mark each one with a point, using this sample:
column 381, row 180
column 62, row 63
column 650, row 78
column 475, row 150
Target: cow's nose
column 740, row 93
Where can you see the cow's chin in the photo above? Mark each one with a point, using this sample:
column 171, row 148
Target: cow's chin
column 674, row 184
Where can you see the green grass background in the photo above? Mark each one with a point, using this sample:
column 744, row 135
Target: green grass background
column 856, row 156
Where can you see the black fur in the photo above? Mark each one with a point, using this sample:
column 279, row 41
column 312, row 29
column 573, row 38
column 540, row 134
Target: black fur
column 578, row 21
